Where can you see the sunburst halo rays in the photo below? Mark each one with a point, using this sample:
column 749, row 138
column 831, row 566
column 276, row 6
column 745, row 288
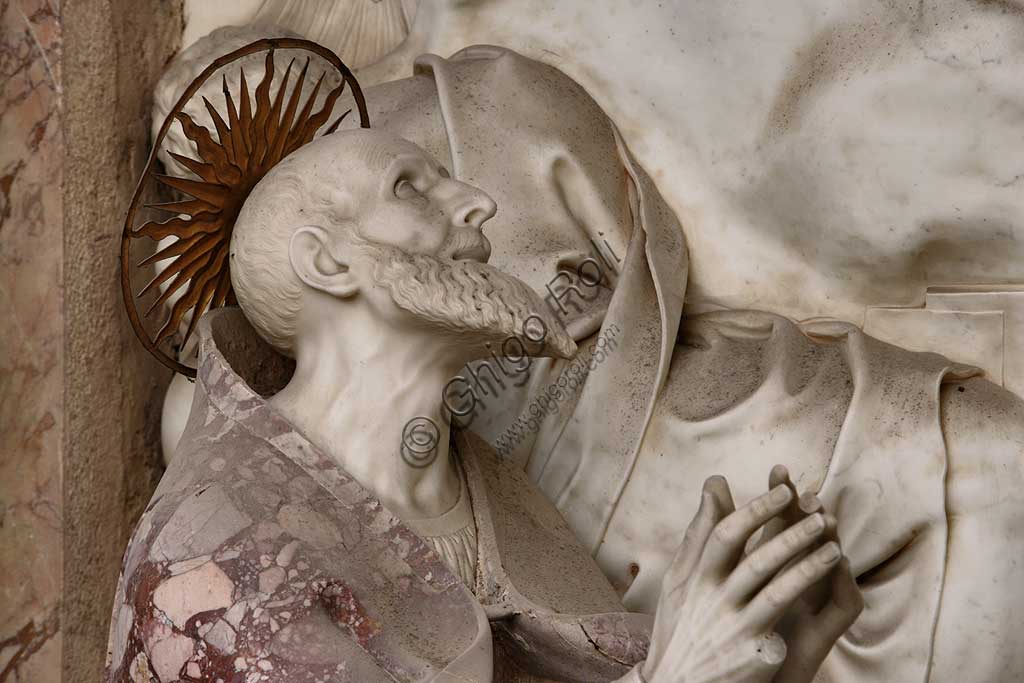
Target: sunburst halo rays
column 253, row 133
column 247, row 145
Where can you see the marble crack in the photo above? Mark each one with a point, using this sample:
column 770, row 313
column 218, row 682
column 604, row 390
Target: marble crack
column 28, row 640
column 42, row 53
column 600, row 649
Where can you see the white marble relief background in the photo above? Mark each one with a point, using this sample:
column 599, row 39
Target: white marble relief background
column 852, row 159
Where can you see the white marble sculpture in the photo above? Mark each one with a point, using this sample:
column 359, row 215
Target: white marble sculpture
column 906, row 446
column 924, row 467
column 298, row 539
column 826, row 158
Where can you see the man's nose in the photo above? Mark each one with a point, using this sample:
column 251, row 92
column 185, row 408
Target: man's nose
column 468, row 206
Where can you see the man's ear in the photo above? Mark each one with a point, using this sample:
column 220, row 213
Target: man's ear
column 321, row 264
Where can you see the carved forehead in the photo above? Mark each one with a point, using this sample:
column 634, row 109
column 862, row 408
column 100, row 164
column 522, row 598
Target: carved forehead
column 337, row 172
column 371, row 151
column 378, row 153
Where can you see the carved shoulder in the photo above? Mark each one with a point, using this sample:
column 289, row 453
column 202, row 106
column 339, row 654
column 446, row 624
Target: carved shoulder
column 983, row 425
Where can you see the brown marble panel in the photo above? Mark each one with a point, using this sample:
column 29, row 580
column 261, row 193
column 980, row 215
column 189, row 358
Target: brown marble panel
column 31, row 358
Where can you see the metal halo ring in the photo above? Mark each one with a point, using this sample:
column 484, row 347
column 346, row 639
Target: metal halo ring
column 213, row 291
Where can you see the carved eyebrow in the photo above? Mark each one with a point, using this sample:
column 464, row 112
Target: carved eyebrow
column 414, row 160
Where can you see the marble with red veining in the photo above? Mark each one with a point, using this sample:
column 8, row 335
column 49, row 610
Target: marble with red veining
column 31, row 416
column 259, row 559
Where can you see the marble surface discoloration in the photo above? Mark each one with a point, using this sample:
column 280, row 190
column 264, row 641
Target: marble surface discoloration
column 31, row 354
column 203, row 589
column 858, row 420
column 979, row 324
column 259, row 557
column 199, row 526
column 903, row 446
column 823, row 156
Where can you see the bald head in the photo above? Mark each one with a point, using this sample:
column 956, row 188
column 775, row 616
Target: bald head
column 324, row 183
column 362, row 211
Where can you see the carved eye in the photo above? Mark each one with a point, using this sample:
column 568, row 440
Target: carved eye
column 443, row 172
column 405, row 190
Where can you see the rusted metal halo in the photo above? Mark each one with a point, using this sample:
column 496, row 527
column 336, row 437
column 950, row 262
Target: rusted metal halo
column 256, row 149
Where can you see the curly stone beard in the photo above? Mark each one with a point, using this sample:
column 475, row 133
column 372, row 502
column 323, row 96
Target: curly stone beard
column 472, row 302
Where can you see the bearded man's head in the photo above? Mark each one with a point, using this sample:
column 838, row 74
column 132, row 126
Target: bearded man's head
column 388, row 200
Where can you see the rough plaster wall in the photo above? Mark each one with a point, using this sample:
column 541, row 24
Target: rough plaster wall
column 114, row 51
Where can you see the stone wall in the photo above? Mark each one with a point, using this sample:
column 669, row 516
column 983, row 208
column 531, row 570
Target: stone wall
column 114, row 51
column 79, row 398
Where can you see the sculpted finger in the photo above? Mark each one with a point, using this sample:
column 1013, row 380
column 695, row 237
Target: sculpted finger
column 801, row 508
column 730, row 535
column 770, row 604
column 779, row 476
column 817, row 596
column 696, row 537
column 831, row 528
column 682, row 567
column 809, row 503
column 759, row 567
column 719, row 488
column 847, row 601
column 816, row 635
column 820, row 632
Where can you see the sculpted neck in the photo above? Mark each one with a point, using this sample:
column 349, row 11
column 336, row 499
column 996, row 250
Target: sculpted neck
column 353, row 393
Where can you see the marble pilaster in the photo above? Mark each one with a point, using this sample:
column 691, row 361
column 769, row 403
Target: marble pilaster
column 31, row 358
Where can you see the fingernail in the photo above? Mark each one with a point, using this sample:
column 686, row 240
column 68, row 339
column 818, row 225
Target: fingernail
column 829, row 553
column 813, row 524
column 711, row 481
column 809, row 503
column 779, row 494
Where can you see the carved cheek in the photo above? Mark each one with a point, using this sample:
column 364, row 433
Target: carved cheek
column 424, row 240
column 430, row 233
